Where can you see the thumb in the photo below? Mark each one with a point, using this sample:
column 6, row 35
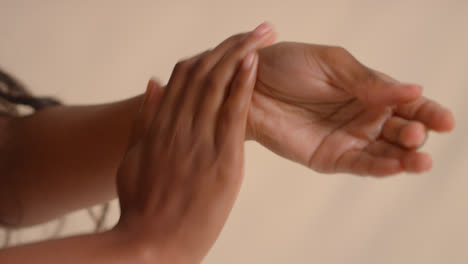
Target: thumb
column 384, row 90
column 368, row 85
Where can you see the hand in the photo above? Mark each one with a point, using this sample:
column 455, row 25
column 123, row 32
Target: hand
column 317, row 105
column 183, row 168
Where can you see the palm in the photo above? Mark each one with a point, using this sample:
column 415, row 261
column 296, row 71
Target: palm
column 308, row 106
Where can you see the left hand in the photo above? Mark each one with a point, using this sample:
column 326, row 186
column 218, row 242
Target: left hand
column 183, row 168
column 319, row 106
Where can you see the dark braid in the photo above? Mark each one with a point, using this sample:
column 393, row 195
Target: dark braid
column 12, row 94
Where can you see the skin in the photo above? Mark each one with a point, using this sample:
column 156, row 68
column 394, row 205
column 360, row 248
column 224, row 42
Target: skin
column 51, row 158
column 72, row 150
column 191, row 163
column 319, row 106
column 182, row 169
column 316, row 105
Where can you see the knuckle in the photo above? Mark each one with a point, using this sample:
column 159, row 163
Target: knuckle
column 202, row 66
column 350, row 66
column 367, row 78
column 337, row 53
column 340, row 51
column 371, row 79
column 241, row 48
column 204, row 63
column 211, row 81
column 181, row 66
column 243, row 45
column 235, row 38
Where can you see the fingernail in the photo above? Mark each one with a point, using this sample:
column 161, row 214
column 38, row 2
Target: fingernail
column 262, row 29
column 249, row 60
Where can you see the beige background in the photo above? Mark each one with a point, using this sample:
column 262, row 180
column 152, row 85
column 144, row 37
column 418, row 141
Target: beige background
column 97, row 51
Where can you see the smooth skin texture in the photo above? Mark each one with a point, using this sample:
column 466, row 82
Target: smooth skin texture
column 316, row 105
column 319, row 106
column 182, row 169
column 50, row 158
column 181, row 175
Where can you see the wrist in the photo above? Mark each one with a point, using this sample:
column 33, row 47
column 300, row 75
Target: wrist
column 249, row 128
column 144, row 245
column 248, row 134
column 133, row 248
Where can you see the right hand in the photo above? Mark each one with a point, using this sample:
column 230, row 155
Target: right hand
column 184, row 164
column 319, row 106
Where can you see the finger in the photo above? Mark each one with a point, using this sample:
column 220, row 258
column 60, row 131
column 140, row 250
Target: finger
column 202, row 67
column 408, row 134
column 174, row 87
column 129, row 169
column 363, row 163
column 385, row 76
column 222, row 74
column 430, row 113
column 205, row 65
column 150, row 109
column 187, row 98
column 233, row 118
column 411, row 161
column 139, row 123
column 364, row 83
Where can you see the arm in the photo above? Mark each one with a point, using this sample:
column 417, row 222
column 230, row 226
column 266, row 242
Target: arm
column 165, row 217
column 102, row 248
column 65, row 158
column 61, row 159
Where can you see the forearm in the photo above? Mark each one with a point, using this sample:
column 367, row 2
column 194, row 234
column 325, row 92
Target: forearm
column 101, row 248
column 61, row 159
